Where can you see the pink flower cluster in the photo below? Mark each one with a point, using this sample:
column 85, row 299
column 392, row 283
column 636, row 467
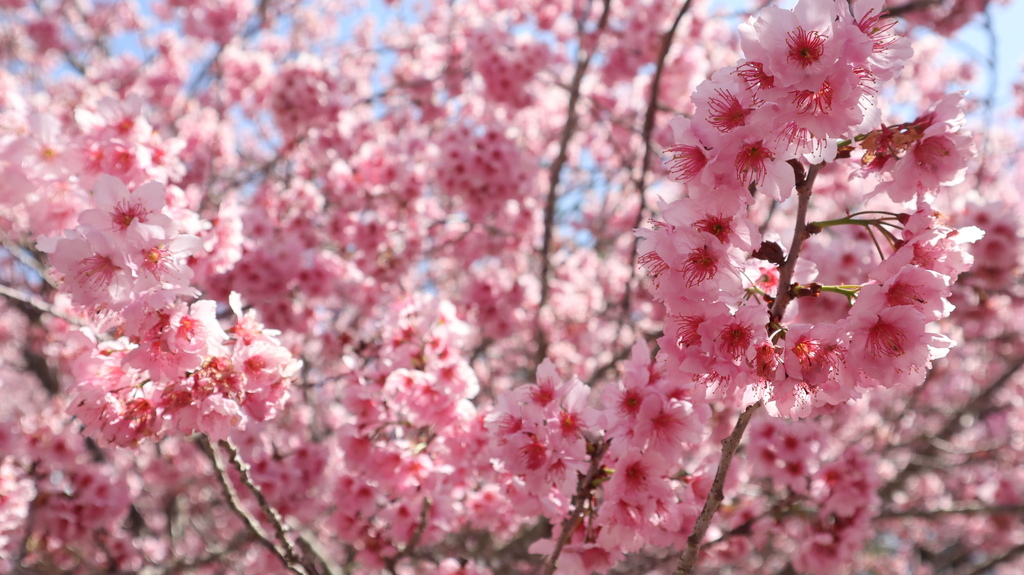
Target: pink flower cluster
column 547, row 438
column 436, row 208
column 77, row 504
column 843, row 492
column 174, row 366
column 125, row 252
column 810, row 77
column 652, row 423
column 506, row 65
column 483, row 168
column 303, row 97
column 846, row 492
column 413, row 442
column 176, row 369
column 540, row 434
column 18, row 492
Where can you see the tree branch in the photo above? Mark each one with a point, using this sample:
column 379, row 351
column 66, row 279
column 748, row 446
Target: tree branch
column 804, row 186
column 570, row 523
column 27, row 300
column 986, row 567
column 555, row 174
column 954, row 424
column 286, row 554
column 729, row 446
column 641, row 182
column 268, row 510
column 407, row 550
column 1017, row 508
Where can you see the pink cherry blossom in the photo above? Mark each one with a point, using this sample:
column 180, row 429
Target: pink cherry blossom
column 317, row 287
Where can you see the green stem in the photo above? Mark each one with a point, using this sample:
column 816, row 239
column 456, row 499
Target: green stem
column 850, row 220
column 850, row 291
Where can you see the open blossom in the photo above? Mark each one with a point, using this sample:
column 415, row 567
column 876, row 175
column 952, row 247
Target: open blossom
column 45, row 152
column 892, row 346
column 123, row 251
column 94, row 267
column 799, row 46
column 816, row 355
column 687, row 156
column 119, row 210
column 924, row 154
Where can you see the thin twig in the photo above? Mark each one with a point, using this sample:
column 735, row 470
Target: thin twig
column 954, row 424
column 36, row 303
column 641, row 182
column 555, row 173
column 1016, row 508
column 268, row 510
column 29, row 258
column 586, row 485
column 729, row 446
column 622, row 355
column 414, row 540
column 744, row 528
column 231, row 495
column 986, row 567
column 992, row 62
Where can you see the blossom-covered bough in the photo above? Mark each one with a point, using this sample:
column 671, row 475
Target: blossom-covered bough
column 290, row 287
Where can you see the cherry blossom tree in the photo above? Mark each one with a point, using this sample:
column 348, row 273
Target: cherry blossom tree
column 545, row 286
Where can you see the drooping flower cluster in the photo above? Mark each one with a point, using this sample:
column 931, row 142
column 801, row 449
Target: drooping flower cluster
column 652, row 424
column 540, row 432
column 546, row 438
column 176, row 369
column 846, row 493
column 413, row 442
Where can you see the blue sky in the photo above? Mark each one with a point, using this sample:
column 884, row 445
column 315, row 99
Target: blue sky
column 1006, row 24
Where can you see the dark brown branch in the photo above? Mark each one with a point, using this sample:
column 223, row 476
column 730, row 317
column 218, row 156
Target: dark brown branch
column 729, row 446
column 23, row 300
column 804, row 185
column 414, row 540
column 33, row 308
column 268, row 510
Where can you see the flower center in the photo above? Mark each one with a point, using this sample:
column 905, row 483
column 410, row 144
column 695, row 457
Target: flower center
column 805, row 48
